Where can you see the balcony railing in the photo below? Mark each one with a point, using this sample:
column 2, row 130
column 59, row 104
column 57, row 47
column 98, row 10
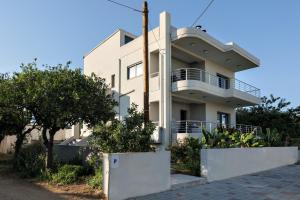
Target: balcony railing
column 194, row 126
column 221, row 82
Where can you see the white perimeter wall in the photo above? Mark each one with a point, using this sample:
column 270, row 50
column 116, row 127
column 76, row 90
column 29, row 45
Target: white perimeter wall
column 218, row 164
column 135, row 174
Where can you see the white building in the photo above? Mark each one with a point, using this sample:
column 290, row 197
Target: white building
column 192, row 77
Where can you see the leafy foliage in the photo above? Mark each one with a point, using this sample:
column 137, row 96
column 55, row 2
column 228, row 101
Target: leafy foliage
column 68, row 174
column 96, row 181
column 130, row 135
column 230, row 139
column 273, row 113
column 30, row 162
column 185, row 156
column 14, row 118
column 59, row 97
column 273, row 138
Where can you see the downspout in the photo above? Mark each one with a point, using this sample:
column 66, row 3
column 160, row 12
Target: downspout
column 119, row 75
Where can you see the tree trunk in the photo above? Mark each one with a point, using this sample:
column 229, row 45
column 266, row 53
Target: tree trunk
column 21, row 134
column 49, row 163
column 19, row 142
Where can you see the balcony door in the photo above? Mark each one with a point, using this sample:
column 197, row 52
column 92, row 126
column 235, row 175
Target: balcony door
column 223, row 81
column 223, row 119
column 183, row 118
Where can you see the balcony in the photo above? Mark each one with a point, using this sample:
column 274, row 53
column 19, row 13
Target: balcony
column 200, row 84
column 193, row 128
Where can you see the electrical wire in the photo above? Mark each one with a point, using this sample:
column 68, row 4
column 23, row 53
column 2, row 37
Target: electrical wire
column 202, row 13
column 134, row 9
column 123, row 5
column 159, row 49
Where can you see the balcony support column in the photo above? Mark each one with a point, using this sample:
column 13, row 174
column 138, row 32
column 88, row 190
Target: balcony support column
column 165, row 105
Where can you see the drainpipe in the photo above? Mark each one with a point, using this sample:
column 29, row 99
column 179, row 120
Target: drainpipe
column 119, row 75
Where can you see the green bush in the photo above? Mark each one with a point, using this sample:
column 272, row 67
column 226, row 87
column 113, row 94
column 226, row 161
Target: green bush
column 30, row 162
column 96, row 181
column 185, row 156
column 230, row 139
column 68, row 174
column 273, row 138
column 295, row 142
column 130, row 135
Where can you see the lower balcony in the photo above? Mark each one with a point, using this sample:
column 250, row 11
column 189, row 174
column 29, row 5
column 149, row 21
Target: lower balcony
column 193, row 128
column 199, row 84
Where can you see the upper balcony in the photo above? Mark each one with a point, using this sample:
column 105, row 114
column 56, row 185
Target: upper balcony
column 195, row 42
column 199, row 84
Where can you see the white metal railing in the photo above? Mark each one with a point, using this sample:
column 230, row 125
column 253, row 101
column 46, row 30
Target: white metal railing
column 245, row 87
column 221, row 82
column 194, row 126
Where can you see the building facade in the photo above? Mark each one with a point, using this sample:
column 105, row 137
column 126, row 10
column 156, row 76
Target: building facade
column 192, row 77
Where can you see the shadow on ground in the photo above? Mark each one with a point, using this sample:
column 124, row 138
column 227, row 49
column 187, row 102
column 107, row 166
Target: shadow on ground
column 14, row 188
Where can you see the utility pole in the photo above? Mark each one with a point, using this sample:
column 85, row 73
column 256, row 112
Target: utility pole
column 146, row 62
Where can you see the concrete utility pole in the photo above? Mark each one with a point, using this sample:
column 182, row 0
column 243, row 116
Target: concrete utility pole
column 146, row 62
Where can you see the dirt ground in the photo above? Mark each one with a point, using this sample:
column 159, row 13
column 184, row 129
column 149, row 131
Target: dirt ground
column 14, row 188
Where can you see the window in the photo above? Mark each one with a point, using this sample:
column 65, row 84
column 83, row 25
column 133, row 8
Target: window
column 127, row 39
column 113, row 81
column 223, row 81
column 139, row 70
column 223, row 118
column 134, row 70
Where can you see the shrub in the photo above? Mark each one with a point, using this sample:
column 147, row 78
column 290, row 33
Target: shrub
column 96, row 181
column 130, row 135
column 30, row 162
column 68, row 174
column 273, row 138
column 185, row 156
column 230, row 139
column 295, row 142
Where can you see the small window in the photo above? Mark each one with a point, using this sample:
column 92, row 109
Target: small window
column 113, row 81
column 134, row 71
column 139, row 70
column 127, row 39
column 131, row 72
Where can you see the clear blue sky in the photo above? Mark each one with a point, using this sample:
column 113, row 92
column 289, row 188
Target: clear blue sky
column 55, row 31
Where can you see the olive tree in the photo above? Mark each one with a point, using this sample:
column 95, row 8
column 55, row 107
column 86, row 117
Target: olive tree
column 59, row 97
column 14, row 118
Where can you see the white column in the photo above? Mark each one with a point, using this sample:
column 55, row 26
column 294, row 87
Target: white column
column 165, row 104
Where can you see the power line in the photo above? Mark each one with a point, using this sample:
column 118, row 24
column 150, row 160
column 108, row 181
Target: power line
column 202, row 13
column 126, row 6
column 159, row 49
column 134, row 9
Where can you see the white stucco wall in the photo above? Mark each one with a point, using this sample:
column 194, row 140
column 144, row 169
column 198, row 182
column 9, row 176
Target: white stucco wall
column 60, row 135
column 218, row 164
column 135, row 174
column 176, row 107
column 212, row 109
column 7, row 144
column 154, row 111
column 215, row 69
column 194, row 111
